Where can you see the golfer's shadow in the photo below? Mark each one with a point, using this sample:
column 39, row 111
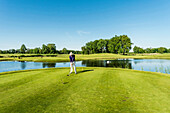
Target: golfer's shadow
column 84, row 71
column 65, row 82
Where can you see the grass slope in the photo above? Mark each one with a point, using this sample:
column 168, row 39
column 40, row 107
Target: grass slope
column 91, row 90
column 101, row 56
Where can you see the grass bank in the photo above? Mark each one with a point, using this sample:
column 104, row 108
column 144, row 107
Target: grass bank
column 91, row 90
column 64, row 57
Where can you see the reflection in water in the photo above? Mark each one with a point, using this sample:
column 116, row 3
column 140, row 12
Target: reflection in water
column 105, row 63
column 23, row 65
column 154, row 65
column 48, row 65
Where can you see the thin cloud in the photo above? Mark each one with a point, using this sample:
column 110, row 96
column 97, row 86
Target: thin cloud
column 82, row 32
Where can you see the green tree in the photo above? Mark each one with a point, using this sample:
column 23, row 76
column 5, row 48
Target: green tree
column 37, row 50
column 89, row 47
column 12, row 51
column 154, row 50
column 162, row 50
column 119, row 44
column 18, row 51
column 45, row 49
column 148, row 50
column 64, row 51
column 94, row 46
column 52, row 48
column 6, row 52
column 141, row 50
column 125, row 44
column 23, row 48
column 168, row 50
column 138, row 50
column 107, row 45
column 101, row 45
column 83, row 49
column 114, row 45
column 31, row 51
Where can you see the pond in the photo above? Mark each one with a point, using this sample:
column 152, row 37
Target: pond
column 154, row 65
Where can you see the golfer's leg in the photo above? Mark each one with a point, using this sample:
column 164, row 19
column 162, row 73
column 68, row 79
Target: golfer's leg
column 71, row 67
column 75, row 68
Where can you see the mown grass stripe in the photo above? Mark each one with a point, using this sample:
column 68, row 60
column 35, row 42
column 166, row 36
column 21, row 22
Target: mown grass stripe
column 91, row 90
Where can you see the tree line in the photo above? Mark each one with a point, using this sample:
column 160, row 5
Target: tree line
column 45, row 49
column 137, row 49
column 118, row 45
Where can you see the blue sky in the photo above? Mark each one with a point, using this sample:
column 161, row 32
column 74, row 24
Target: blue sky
column 72, row 23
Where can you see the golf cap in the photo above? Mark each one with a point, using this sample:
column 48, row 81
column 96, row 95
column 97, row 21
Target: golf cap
column 71, row 53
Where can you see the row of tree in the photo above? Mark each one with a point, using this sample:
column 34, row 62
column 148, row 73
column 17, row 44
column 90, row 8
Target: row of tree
column 46, row 49
column 118, row 44
column 151, row 50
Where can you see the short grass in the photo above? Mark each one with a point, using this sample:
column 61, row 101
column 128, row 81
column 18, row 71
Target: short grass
column 92, row 90
column 101, row 56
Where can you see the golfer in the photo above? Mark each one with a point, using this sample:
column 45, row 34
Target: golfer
column 72, row 63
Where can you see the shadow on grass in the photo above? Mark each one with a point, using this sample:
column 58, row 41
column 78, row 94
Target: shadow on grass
column 81, row 72
column 65, row 82
column 84, row 71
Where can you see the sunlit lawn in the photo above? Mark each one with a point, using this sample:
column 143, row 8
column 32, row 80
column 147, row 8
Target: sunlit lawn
column 91, row 90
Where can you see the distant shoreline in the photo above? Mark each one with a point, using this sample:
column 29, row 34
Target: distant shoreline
column 79, row 57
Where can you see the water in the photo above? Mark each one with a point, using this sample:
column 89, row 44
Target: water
column 154, row 65
column 15, row 65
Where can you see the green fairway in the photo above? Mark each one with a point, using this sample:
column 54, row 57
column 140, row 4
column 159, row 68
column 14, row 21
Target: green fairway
column 65, row 57
column 91, row 90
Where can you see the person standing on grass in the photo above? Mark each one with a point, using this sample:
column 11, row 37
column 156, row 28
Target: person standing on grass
column 72, row 63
